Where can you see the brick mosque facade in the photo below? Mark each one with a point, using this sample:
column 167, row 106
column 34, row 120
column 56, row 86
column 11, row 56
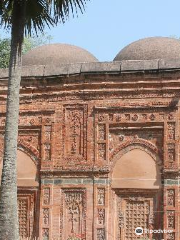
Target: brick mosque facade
column 98, row 149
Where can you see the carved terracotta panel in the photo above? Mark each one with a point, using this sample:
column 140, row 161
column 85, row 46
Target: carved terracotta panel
column 73, row 214
column 46, row 196
column 75, row 131
column 101, row 196
column 134, row 210
column 26, row 210
column 171, row 197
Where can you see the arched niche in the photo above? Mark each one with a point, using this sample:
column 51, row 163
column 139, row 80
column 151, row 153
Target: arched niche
column 136, row 169
column 26, row 171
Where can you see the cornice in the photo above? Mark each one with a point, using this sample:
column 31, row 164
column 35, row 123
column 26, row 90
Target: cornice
column 130, row 66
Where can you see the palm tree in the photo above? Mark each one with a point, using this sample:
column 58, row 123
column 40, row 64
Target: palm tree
column 23, row 17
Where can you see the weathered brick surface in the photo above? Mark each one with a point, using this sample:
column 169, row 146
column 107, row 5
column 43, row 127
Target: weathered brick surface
column 77, row 127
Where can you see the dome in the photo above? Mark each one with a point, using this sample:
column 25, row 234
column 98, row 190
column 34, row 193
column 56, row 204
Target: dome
column 151, row 48
column 57, row 54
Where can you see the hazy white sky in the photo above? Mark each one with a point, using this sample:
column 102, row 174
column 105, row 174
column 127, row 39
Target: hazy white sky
column 109, row 25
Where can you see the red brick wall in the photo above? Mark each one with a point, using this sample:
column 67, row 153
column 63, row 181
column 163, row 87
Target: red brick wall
column 74, row 129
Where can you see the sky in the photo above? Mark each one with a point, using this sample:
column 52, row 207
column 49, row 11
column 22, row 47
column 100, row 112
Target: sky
column 109, row 25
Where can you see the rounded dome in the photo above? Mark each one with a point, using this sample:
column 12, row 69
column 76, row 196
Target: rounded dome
column 151, row 48
column 52, row 54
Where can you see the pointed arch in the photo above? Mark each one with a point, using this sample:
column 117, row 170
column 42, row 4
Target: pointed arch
column 31, row 151
column 136, row 164
column 27, row 170
column 137, row 143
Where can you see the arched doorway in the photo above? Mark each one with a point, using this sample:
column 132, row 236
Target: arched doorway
column 136, row 182
column 28, row 184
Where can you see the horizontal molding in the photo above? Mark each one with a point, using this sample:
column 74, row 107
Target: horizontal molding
column 74, row 181
column 169, row 182
column 96, row 67
column 100, row 181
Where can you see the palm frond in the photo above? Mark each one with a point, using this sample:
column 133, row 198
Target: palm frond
column 37, row 16
column 6, row 8
column 61, row 9
column 41, row 13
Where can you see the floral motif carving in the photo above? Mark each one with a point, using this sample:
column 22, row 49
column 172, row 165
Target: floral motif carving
column 47, row 152
column 30, row 137
column 170, row 236
column 171, row 155
column 46, row 216
column 32, row 121
column 171, row 130
column 171, row 197
column 74, row 212
column 127, row 117
column 75, row 131
column 111, row 144
column 151, row 218
column 47, row 130
column 170, row 116
column 101, row 117
column 101, row 234
column 45, row 233
column 101, row 196
column 133, row 117
column 118, row 118
column 121, row 219
column 136, row 198
column 152, row 117
column 101, row 132
column 47, row 142
column 101, row 216
column 46, row 196
column 29, row 147
column 111, row 117
column 171, row 219
column 144, row 116
column 102, row 151
column 121, row 137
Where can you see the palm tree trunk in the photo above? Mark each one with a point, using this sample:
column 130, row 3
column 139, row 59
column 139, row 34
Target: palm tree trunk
column 9, row 226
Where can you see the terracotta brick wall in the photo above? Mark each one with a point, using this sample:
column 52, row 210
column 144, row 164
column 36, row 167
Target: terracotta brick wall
column 76, row 128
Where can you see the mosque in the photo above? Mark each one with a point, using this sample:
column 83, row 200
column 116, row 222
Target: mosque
column 98, row 147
